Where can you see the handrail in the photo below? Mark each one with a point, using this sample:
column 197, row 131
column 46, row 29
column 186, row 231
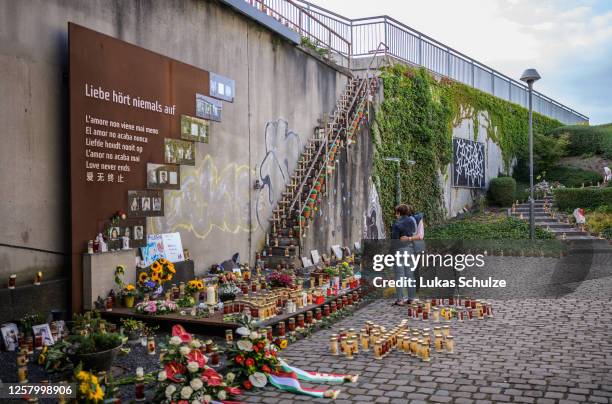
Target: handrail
column 350, row 38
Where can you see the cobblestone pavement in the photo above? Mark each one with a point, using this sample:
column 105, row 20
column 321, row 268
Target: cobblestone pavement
column 533, row 351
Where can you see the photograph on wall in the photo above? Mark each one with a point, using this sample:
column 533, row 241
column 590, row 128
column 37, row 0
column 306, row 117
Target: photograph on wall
column 163, row 176
column 195, row 129
column 145, row 203
column 208, row 108
column 134, row 228
column 179, row 152
column 468, row 163
column 222, row 87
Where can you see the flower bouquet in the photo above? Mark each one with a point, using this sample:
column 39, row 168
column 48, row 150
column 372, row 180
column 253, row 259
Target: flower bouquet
column 185, row 375
column 156, row 307
column 89, row 389
column 280, row 280
column 252, row 358
column 194, row 287
column 129, row 294
column 227, row 286
column 162, row 271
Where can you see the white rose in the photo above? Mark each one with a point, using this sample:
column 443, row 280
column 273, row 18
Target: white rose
column 254, row 335
column 193, row 367
column 184, row 350
column 196, row 384
column 230, row 377
column 221, row 394
column 186, row 392
column 175, row 341
column 161, row 376
column 170, row 390
column 242, row 331
column 196, row 344
column 207, row 398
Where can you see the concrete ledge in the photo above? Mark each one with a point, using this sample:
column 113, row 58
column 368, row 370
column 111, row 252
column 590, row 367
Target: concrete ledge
column 27, row 299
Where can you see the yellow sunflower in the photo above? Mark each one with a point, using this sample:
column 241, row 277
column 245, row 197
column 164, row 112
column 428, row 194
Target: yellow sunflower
column 142, row 277
column 168, row 277
column 156, row 266
column 155, row 277
column 130, row 287
column 97, row 394
column 163, row 261
column 171, row 268
column 283, row 344
column 200, row 285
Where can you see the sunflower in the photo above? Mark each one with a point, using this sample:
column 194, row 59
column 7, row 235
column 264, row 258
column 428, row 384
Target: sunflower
column 170, row 268
column 155, row 277
column 142, row 277
column 156, row 266
column 130, row 287
column 200, row 285
column 283, row 344
column 168, row 277
column 96, row 394
column 163, row 261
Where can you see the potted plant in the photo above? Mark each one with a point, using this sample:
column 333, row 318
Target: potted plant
column 129, row 295
column 307, row 211
column 132, row 328
column 95, row 351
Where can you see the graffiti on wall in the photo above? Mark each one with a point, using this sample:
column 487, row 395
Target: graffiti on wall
column 210, row 198
column 282, row 152
column 468, row 163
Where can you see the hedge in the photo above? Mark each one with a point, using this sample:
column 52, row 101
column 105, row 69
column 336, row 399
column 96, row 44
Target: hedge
column 587, row 139
column 573, row 177
column 591, row 197
column 502, row 190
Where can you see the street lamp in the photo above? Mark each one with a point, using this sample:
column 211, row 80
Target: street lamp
column 398, row 186
column 530, row 76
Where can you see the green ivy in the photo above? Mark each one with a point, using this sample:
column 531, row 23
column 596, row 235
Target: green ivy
column 415, row 122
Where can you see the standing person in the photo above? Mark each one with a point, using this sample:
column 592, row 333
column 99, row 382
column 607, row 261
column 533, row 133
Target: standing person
column 607, row 175
column 404, row 228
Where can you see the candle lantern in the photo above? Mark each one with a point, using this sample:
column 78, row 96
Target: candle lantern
column 414, row 346
column 269, row 334
column 139, row 387
column 38, row 278
column 450, row 344
column 318, row 314
column 377, row 349
column 151, row 345
column 229, row 337
column 333, row 344
column 309, row 317
column 425, row 352
column 30, row 344
column 209, row 346
column 300, row 321
column 365, row 341
column 446, row 330
column 12, row 281
column 281, row 328
column 438, row 342
column 292, row 325
column 348, row 350
column 215, row 358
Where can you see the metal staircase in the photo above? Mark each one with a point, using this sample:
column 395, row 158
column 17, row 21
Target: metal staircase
column 308, row 184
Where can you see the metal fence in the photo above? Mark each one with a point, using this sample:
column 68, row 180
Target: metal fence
column 351, row 39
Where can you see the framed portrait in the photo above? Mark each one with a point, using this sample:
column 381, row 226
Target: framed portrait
column 163, row 176
column 115, row 233
column 195, row 129
column 178, row 151
column 124, row 228
column 10, row 336
column 45, row 331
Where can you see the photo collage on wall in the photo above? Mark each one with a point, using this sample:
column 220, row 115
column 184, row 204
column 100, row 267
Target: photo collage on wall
column 135, row 229
column 145, row 203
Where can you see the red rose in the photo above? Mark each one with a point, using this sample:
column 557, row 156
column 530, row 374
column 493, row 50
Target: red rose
column 247, row 385
column 273, row 353
column 250, row 362
column 266, row 369
column 233, row 390
column 239, row 359
column 261, row 344
column 256, row 348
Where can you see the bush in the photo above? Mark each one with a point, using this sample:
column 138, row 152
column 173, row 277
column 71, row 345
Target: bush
column 502, row 190
column 572, row 177
column 592, row 197
column 485, row 227
column 587, row 140
column 597, row 222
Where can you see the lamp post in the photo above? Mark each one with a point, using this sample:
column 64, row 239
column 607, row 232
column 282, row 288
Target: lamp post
column 530, row 76
column 398, row 186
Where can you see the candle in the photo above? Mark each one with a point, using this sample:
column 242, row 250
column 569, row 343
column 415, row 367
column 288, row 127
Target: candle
column 333, row 344
column 438, row 343
column 377, row 349
column 413, row 346
column 22, row 374
column 211, row 298
column 139, row 391
column 450, row 344
column 209, row 346
column 214, row 358
column 354, row 345
column 229, row 337
column 38, row 278
column 12, row 281
column 364, row 341
column 151, row 345
column 446, row 330
column 318, row 314
column 425, row 352
column 300, row 321
column 292, row 325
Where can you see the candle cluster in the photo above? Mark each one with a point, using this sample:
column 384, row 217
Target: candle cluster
column 447, row 309
column 411, row 341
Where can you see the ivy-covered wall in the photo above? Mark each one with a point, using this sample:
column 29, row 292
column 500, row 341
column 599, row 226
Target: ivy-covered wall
column 415, row 121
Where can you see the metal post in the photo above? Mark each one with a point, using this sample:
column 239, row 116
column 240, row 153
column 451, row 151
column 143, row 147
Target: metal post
column 398, row 185
column 531, row 193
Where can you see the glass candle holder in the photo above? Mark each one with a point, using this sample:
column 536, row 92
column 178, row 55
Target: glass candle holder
column 318, row 314
column 425, row 352
column 292, row 325
column 22, row 374
column 281, row 329
column 365, row 341
column 308, row 318
column 30, row 344
column 151, row 346
column 326, row 310
column 377, row 350
column 300, row 321
column 109, row 304
column 12, row 281
column 333, row 345
column 446, row 330
column 229, row 337
column 406, row 344
column 348, row 351
column 209, row 346
column 215, row 358
column 439, row 342
column 425, row 315
column 450, row 344
column 269, row 333
column 413, row 346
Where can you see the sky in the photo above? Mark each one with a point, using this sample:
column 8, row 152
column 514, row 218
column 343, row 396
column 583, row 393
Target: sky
column 569, row 42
